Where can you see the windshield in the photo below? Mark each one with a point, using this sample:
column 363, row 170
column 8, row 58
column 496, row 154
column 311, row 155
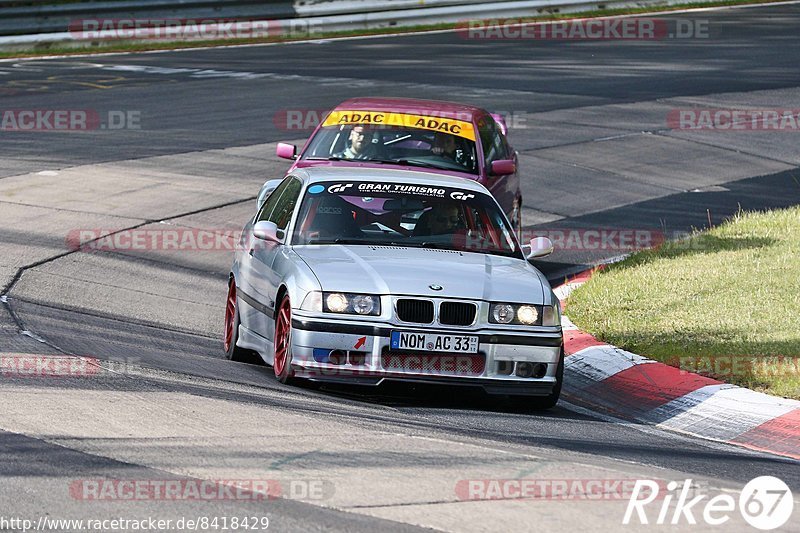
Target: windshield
column 397, row 138
column 396, row 214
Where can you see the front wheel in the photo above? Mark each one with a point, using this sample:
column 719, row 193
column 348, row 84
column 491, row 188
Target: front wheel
column 282, row 363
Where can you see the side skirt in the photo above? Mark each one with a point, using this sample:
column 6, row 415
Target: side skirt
column 253, row 341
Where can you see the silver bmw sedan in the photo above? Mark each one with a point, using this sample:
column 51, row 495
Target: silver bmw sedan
column 366, row 275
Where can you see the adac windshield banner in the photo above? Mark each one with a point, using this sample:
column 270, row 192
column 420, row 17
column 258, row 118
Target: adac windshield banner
column 453, row 126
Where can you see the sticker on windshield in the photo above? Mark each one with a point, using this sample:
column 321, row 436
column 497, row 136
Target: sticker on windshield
column 366, row 191
column 460, row 128
column 402, row 188
column 458, row 195
column 339, row 188
column 316, row 189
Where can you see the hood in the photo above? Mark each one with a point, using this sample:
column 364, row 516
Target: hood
column 410, row 271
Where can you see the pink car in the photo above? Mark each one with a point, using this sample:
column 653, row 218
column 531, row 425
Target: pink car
column 440, row 137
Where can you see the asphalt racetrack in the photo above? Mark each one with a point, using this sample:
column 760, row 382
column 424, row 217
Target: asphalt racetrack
column 597, row 152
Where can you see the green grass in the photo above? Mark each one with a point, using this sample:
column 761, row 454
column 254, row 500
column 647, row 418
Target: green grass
column 123, row 46
column 724, row 302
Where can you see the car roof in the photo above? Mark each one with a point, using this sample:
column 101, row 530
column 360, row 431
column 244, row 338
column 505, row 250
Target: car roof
column 311, row 175
column 412, row 106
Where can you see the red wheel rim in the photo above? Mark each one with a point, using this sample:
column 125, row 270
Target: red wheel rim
column 283, row 328
column 230, row 314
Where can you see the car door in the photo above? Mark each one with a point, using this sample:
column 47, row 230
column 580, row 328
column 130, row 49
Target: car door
column 262, row 280
column 495, row 148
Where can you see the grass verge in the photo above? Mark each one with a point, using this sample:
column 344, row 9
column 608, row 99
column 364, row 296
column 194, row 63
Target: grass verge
column 47, row 49
column 723, row 303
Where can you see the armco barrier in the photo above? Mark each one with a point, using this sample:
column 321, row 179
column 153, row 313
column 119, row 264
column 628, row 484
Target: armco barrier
column 32, row 22
column 56, row 18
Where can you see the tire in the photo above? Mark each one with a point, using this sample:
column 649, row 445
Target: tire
column 231, row 333
column 282, row 363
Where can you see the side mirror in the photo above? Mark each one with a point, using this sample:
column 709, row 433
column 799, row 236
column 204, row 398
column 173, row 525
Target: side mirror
column 502, row 167
column 539, row 247
column 266, row 189
column 266, row 231
column 286, row 151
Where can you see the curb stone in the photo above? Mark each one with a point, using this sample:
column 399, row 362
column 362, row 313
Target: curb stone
column 629, row 386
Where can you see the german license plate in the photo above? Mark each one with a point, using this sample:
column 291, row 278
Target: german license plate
column 433, row 342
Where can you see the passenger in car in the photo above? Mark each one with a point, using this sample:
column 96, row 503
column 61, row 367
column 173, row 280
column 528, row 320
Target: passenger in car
column 442, row 219
column 444, row 145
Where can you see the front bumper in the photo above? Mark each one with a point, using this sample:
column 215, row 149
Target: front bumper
column 355, row 352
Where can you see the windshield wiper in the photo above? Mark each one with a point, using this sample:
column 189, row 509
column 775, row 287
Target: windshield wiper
column 345, row 240
column 406, row 162
column 415, row 163
column 338, row 240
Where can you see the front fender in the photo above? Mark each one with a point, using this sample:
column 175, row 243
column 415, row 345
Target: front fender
column 297, row 278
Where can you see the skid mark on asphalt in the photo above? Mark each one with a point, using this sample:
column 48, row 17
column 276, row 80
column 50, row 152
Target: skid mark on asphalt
column 18, row 275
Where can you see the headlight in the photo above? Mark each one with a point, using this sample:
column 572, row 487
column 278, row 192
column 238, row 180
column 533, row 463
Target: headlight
column 336, row 302
column 524, row 314
column 354, row 304
column 502, row 313
column 527, row 314
column 363, row 305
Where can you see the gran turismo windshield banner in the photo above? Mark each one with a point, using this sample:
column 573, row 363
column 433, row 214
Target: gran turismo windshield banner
column 368, row 189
